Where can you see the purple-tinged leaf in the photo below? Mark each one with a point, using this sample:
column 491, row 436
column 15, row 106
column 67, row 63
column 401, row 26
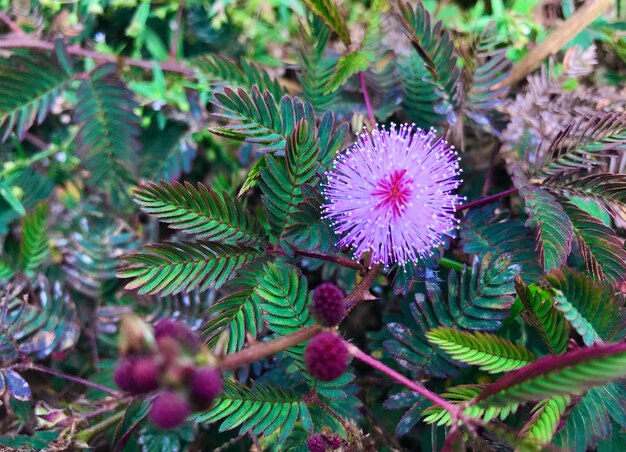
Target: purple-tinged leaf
column 571, row 373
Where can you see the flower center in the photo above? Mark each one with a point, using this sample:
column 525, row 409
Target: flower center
column 394, row 192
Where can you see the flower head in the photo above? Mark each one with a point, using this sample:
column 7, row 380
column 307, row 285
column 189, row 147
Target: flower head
column 168, row 410
column 326, row 356
column 391, row 194
column 327, row 305
column 206, row 384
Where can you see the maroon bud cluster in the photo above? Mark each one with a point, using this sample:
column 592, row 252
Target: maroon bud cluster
column 327, row 306
column 320, row 442
column 316, row 443
column 326, row 356
column 171, row 365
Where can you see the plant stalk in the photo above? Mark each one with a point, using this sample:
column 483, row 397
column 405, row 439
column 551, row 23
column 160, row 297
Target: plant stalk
column 486, row 200
column 368, row 102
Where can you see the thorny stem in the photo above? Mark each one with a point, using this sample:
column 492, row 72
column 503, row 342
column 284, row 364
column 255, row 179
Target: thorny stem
column 262, row 350
column 368, row 103
column 486, row 200
column 57, row 373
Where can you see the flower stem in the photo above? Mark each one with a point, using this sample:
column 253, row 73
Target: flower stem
column 368, row 103
column 344, row 261
column 486, row 200
column 453, row 409
column 100, row 427
column 449, row 263
column 57, row 373
column 264, row 349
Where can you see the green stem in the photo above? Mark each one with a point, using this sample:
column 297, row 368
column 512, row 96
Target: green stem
column 100, row 427
column 450, row 263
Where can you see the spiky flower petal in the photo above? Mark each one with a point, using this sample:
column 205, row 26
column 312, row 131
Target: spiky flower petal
column 391, row 194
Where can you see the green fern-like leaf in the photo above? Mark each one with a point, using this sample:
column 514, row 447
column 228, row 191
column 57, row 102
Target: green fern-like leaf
column 108, row 132
column 483, row 233
column 540, row 313
column 583, row 144
column 91, row 254
column 306, row 229
column 166, row 152
column 436, row 50
column 348, row 65
column 242, row 74
column 284, row 298
column 27, row 92
column 463, row 393
column 316, row 68
column 546, row 418
column 238, row 313
column 554, row 228
column 594, row 418
column 200, row 211
column 260, row 119
column 34, row 247
column 170, row 268
column 571, row 373
column 607, row 188
column 37, row 326
column 492, row 353
column 602, row 251
column 486, row 66
column 479, row 300
column 329, row 13
column 282, row 180
column 261, row 410
column 6, row 271
column 592, row 308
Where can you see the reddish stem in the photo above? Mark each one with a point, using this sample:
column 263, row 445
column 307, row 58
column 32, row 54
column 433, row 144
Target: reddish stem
column 336, row 259
column 33, row 43
column 486, row 200
column 57, row 373
column 451, row 408
column 368, row 103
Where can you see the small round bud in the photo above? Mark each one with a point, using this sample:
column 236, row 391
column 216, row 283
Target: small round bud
column 206, row 384
column 335, row 441
column 145, row 375
column 326, row 356
column 168, row 410
column 177, row 330
column 327, row 306
column 316, row 443
column 123, row 375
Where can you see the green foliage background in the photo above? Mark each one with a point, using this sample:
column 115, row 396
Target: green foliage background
column 165, row 158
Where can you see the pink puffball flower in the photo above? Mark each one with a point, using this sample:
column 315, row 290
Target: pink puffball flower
column 391, row 194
